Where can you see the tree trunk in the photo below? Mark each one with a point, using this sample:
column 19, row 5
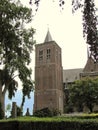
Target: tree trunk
column 3, row 102
column 2, row 98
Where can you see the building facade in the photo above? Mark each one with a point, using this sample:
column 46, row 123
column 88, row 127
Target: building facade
column 48, row 75
column 50, row 78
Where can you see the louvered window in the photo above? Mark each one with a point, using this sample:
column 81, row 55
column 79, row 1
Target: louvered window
column 41, row 55
column 48, row 53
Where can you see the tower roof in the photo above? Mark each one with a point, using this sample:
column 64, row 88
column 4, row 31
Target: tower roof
column 48, row 37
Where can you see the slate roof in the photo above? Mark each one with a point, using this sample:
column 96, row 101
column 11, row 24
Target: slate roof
column 70, row 75
column 90, row 66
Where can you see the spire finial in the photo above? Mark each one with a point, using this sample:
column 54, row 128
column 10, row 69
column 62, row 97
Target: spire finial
column 47, row 27
column 48, row 36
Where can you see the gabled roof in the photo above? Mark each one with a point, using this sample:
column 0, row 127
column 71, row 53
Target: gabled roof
column 70, row 75
column 90, row 66
column 48, row 37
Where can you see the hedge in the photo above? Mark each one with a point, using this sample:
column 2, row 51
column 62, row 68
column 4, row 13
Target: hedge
column 42, row 125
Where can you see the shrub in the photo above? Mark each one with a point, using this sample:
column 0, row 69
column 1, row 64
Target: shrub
column 46, row 112
column 68, row 109
column 55, row 112
column 19, row 111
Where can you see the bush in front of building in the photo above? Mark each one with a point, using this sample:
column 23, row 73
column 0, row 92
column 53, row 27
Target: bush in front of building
column 46, row 112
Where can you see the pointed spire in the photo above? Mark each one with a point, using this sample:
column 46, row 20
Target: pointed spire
column 48, row 37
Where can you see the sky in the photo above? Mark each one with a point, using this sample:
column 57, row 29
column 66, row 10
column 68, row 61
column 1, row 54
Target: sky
column 65, row 28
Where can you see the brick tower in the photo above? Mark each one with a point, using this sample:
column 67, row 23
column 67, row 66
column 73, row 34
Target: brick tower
column 48, row 75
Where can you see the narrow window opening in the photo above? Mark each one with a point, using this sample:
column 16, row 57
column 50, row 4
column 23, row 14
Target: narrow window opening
column 48, row 53
column 41, row 55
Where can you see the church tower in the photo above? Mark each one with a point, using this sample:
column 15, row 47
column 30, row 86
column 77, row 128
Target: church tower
column 48, row 75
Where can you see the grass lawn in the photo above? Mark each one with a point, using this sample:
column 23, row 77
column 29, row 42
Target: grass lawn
column 74, row 118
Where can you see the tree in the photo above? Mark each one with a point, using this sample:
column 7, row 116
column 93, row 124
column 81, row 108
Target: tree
column 16, row 44
column 90, row 30
column 8, row 109
column 84, row 92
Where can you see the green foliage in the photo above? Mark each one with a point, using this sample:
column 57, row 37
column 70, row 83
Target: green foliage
column 90, row 27
column 83, row 117
column 16, row 45
column 84, row 92
column 68, row 108
column 53, row 123
column 89, row 24
column 46, row 112
column 8, row 109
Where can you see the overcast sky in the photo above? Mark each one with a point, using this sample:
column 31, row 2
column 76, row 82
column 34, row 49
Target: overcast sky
column 66, row 30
